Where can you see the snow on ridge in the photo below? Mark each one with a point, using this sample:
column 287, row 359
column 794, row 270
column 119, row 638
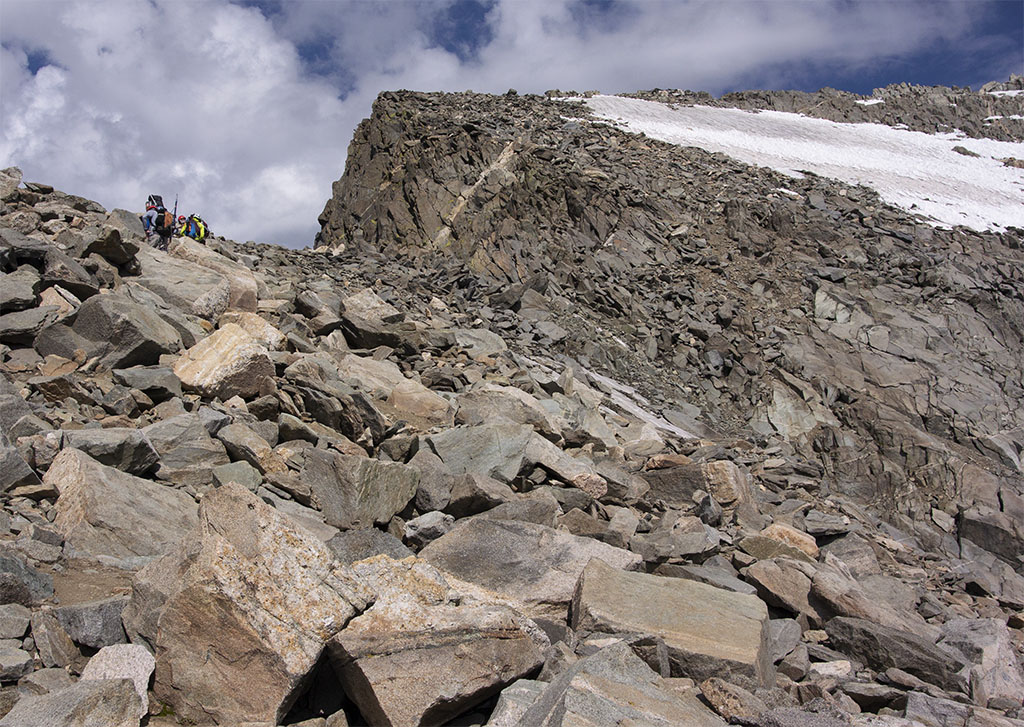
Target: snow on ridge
column 870, row 101
column 913, row 170
column 1005, row 93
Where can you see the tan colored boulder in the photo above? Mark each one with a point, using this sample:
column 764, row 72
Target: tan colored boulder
column 428, row 650
column 239, row 614
column 791, row 536
column 415, row 399
column 727, row 483
column 257, row 327
column 708, row 631
column 242, row 286
column 108, row 515
column 230, row 362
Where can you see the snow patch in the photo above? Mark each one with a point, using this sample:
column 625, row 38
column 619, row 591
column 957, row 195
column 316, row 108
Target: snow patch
column 870, row 101
column 1005, row 93
column 913, row 170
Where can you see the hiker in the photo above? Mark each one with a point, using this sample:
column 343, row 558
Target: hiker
column 157, row 223
column 194, row 227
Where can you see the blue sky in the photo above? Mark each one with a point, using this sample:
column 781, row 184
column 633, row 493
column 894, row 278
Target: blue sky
column 245, row 109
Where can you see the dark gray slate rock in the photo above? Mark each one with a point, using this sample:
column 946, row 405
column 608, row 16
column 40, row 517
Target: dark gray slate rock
column 353, row 545
column 157, row 382
column 712, row 576
column 185, row 446
column 111, row 246
column 14, row 471
column 19, row 290
column 856, row 554
column 14, row 620
column 20, row 328
column 14, row 663
column 474, row 493
column 94, row 624
column 20, row 582
column 881, row 647
column 123, row 448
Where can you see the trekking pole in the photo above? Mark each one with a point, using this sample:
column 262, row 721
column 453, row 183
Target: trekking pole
column 174, row 224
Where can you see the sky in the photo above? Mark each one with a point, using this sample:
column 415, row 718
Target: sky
column 244, row 110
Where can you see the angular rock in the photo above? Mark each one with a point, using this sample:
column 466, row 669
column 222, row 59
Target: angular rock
column 19, row 290
column 733, row 703
column 228, row 363
column 95, row 624
column 353, row 545
column 924, row 709
column 781, row 584
column 856, row 554
column 410, row 398
column 473, row 493
column 14, row 620
column 404, row 660
column 14, row 663
column 14, row 470
column 427, row 527
column 112, row 247
column 185, row 445
column 533, row 564
column 55, row 647
column 20, row 582
column 707, row 631
column 791, row 536
column 128, row 334
column 257, row 327
column 157, row 382
column 615, row 686
column 20, row 328
column 106, row 702
column 278, row 595
column 122, row 448
column 997, row 672
column 124, row 661
column 881, row 647
column 764, row 548
column 356, row 492
column 110, row 516
column 244, row 444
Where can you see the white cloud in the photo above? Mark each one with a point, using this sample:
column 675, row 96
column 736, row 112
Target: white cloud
column 213, row 101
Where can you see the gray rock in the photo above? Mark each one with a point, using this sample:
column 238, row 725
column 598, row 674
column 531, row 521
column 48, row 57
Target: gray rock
column 108, row 515
column 55, row 647
column 932, row 711
column 157, row 382
column 997, row 672
column 10, row 178
column 95, row 624
column 881, row 647
column 427, row 527
column 708, row 631
column 856, row 554
column 404, row 660
column 353, row 545
column 784, row 634
column 782, row 584
column 241, row 472
column 20, row 328
column 14, row 470
column 820, row 523
column 533, row 564
column 357, row 492
column 434, row 488
column 44, row 681
column 185, row 446
column 124, row 661
column 14, row 663
column 129, row 334
column 19, row 290
column 615, row 686
column 473, row 493
column 14, row 620
column 128, row 450
column 513, row 702
column 106, row 702
column 112, row 247
column 20, row 582
column 711, row 576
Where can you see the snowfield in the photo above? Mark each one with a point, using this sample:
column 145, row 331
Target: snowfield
column 916, row 171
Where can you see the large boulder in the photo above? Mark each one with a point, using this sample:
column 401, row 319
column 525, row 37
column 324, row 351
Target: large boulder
column 113, row 517
column 358, row 492
column 996, row 672
column 708, row 631
column 124, row 661
column 123, row 448
column 125, row 332
column 186, row 448
column 882, row 647
column 239, row 613
column 533, row 564
column 426, row 651
column 228, row 363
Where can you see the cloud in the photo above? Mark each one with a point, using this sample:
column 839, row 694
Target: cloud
column 245, row 110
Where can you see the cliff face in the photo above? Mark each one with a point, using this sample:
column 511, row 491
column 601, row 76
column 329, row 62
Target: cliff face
column 795, row 311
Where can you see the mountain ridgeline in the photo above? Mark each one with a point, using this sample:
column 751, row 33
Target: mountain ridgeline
column 800, row 312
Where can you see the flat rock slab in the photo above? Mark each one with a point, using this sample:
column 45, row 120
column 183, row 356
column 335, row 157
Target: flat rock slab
column 357, row 492
column 239, row 614
column 424, row 652
column 533, row 564
column 615, row 687
column 94, row 703
column 708, row 631
column 110, row 516
column 882, row 647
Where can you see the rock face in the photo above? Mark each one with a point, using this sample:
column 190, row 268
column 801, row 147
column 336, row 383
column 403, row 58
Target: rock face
column 708, row 631
column 278, row 595
column 547, row 428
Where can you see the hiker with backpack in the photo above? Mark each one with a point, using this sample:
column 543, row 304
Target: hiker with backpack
column 158, row 222
column 194, row 226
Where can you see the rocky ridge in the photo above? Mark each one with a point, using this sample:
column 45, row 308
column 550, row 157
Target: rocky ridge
column 562, row 424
